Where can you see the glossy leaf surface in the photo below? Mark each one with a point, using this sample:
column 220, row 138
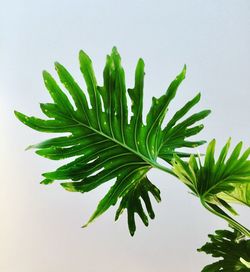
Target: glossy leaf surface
column 104, row 142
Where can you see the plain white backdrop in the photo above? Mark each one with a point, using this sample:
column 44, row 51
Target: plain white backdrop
column 40, row 226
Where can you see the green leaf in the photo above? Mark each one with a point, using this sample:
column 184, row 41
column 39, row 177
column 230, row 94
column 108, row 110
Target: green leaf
column 232, row 248
column 175, row 133
column 217, row 183
column 240, row 194
column 104, row 143
column 132, row 199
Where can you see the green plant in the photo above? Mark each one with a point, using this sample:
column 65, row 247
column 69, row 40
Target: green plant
column 218, row 183
column 107, row 145
column 232, row 247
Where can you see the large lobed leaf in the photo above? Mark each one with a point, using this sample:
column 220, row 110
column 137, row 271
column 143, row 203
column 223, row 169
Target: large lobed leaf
column 232, row 248
column 217, row 183
column 104, row 143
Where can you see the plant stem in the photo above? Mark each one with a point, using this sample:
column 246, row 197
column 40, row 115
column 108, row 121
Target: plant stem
column 226, row 217
column 163, row 168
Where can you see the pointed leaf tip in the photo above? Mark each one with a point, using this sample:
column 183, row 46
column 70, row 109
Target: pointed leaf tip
column 85, row 225
column 184, row 71
column 116, row 57
column 21, row 117
column 29, row 147
column 141, row 61
column 17, row 113
column 198, row 96
column 47, row 181
column 45, row 74
column 213, row 141
column 57, row 65
column 91, row 219
column 114, row 50
column 83, row 56
column 208, row 112
column 68, row 186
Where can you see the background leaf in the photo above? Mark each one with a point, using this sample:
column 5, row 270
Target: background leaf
column 232, row 247
column 217, row 183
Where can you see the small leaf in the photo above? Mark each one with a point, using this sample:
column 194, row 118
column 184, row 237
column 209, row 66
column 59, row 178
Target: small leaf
column 232, row 247
column 217, row 183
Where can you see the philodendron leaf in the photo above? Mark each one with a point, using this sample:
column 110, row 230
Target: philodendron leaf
column 104, row 142
column 232, row 248
column 217, row 183
column 240, row 194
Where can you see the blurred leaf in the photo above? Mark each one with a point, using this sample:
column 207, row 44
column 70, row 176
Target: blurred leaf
column 240, row 194
column 232, row 247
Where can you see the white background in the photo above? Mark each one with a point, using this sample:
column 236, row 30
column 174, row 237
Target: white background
column 40, row 226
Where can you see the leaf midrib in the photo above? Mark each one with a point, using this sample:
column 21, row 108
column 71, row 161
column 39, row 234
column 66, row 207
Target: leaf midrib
column 147, row 160
column 237, row 199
